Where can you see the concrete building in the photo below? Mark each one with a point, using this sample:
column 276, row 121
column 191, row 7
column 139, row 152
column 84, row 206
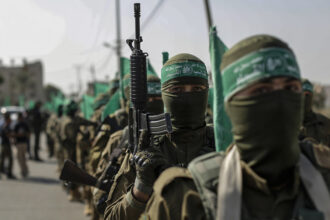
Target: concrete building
column 19, row 81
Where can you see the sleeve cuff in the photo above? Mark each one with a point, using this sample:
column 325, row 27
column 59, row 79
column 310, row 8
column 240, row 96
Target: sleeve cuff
column 133, row 202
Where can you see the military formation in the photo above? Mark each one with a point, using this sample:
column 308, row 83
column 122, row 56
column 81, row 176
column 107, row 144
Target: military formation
column 277, row 166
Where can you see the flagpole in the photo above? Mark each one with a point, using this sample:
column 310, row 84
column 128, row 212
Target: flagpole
column 208, row 15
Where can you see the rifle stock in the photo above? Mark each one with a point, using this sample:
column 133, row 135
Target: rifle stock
column 72, row 173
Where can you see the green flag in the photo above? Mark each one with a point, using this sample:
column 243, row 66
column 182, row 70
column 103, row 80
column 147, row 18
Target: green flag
column 48, row 106
column 112, row 106
column 31, row 104
column 58, row 100
column 150, row 69
column 100, row 88
column 7, row 101
column 86, row 106
column 211, row 97
column 222, row 125
column 21, row 100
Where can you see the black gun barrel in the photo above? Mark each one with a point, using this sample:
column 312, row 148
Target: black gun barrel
column 137, row 14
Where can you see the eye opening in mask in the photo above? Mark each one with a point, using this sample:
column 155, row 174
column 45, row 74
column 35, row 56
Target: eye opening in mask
column 186, row 88
column 270, row 85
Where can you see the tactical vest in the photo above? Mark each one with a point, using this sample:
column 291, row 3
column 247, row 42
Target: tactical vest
column 205, row 171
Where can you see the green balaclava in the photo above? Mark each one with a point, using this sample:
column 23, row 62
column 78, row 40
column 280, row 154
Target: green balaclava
column 266, row 126
column 308, row 98
column 187, row 109
column 154, row 90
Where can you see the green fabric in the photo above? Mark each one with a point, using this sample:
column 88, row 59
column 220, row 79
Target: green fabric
column 154, row 88
column 165, row 57
column 86, row 106
column 188, row 108
column 257, row 65
column 48, row 106
column 249, row 45
column 101, row 100
column 31, row 104
column 7, row 101
column 265, row 130
column 100, row 88
column 126, row 69
column 307, row 85
column 221, row 122
column 181, row 69
column 114, row 85
column 112, row 106
column 21, row 100
column 127, row 81
column 210, row 100
column 58, row 100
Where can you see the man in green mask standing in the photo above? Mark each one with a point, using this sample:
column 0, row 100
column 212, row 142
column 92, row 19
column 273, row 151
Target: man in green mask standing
column 316, row 127
column 263, row 174
column 184, row 86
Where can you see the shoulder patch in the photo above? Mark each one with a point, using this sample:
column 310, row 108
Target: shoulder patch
column 168, row 176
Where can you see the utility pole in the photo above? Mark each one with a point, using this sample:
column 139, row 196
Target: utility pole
column 92, row 70
column 118, row 46
column 79, row 84
column 208, row 14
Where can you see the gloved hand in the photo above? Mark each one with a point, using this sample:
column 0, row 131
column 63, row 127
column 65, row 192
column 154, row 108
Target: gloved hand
column 149, row 163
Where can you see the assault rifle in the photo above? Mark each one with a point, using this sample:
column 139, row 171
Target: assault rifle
column 139, row 120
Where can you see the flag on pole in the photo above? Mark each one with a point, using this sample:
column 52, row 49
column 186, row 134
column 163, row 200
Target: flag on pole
column 222, row 125
column 86, row 106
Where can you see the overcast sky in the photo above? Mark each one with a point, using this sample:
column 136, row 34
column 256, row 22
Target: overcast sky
column 66, row 33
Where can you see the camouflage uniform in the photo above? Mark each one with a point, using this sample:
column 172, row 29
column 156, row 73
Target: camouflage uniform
column 176, row 195
column 70, row 127
column 111, row 124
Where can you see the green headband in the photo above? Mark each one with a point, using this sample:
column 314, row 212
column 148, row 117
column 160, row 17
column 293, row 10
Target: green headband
column 154, row 88
column 261, row 64
column 307, row 86
column 188, row 68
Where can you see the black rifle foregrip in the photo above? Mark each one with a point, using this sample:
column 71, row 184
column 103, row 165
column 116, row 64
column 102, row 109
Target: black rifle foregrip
column 138, row 80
